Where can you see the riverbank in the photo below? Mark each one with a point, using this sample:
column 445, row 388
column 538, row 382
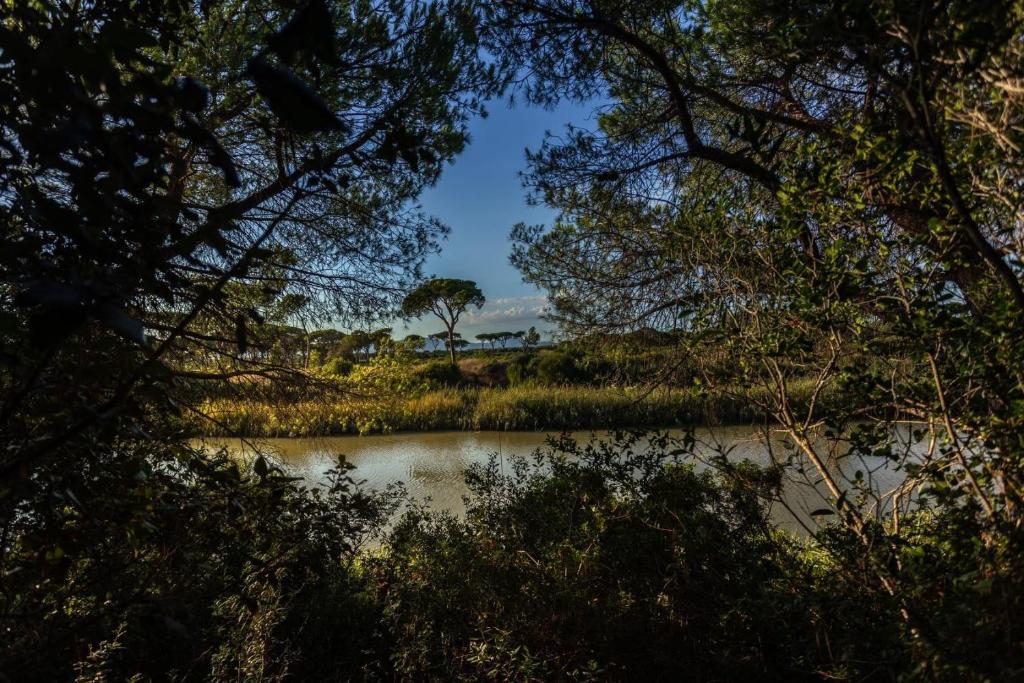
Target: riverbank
column 524, row 408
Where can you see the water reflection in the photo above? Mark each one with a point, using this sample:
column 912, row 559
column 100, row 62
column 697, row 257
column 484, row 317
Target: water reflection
column 432, row 465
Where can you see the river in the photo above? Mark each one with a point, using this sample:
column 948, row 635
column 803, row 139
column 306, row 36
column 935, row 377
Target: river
column 431, row 465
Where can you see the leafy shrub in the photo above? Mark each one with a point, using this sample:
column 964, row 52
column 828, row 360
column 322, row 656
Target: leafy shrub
column 603, row 561
column 493, row 374
column 440, row 373
column 555, row 367
column 518, row 369
column 237, row 573
column 338, row 366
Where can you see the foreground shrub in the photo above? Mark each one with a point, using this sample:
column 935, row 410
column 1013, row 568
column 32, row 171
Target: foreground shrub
column 599, row 562
column 214, row 572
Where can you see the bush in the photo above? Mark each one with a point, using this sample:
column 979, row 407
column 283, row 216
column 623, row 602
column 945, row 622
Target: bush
column 518, row 369
column 607, row 562
column 555, row 367
column 493, row 374
column 237, row 573
column 338, row 366
column 439, row 373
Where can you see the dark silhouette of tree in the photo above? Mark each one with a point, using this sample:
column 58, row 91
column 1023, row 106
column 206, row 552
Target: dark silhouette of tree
column 358, row 341
column 171, row 175
column 815, row 193
column 380, row 339
column 436, row 339
column 326, row 344
column 487, row 338
column 504, row 338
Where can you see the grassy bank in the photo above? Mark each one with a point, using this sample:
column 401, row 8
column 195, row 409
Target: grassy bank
column 515, row 408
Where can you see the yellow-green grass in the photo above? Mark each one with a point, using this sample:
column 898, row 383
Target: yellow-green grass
column 515, row 408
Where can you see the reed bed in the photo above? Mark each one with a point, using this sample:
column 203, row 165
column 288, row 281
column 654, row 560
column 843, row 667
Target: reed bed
column 517, row 408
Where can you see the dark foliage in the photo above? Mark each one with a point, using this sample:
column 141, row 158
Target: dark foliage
column 614, row 561
column 171, row 193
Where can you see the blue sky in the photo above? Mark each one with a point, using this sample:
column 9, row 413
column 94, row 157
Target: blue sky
column 480, row 196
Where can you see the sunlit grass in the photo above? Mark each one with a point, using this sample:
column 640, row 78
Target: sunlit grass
column 515, row 408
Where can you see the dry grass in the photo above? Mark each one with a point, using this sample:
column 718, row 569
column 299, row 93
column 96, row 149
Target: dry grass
column 516, row 408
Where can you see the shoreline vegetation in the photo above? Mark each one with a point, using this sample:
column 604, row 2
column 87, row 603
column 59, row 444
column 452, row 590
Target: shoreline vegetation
column 522, row 408
column 564, row 386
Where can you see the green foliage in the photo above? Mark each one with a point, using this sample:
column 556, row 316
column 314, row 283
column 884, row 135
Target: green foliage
column 522, row 407
column 182, row 184
column 599, row 562
column 554, row 367
column 518, row 370
column 529, row 339
column 447, row 299
column 817, row 204
column 493, row 374
column 338, row 366
column 810, row 192
column 440, row 374
column 454, row 295
column 175, row 560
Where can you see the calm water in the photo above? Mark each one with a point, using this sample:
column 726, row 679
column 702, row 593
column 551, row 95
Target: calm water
column 431, row 465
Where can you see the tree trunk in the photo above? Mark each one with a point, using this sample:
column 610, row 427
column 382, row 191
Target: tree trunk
column 451, row 344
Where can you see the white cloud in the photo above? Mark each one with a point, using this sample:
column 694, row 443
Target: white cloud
column 497, row 315
column 508, row 310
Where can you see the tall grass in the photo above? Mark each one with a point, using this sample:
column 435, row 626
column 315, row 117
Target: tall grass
column 515, row 408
